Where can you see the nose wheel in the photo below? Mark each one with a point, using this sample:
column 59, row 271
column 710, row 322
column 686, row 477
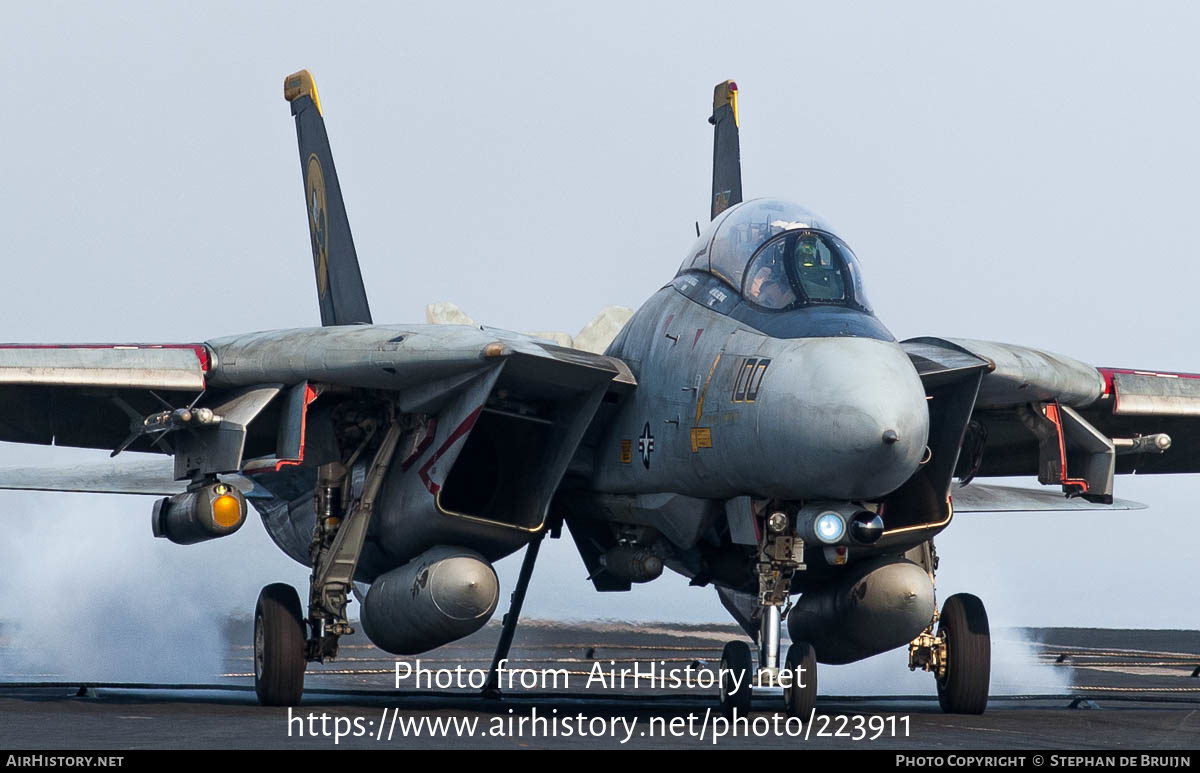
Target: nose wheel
column 279, row 646
column 737, row 671
column 801, row 697
column 738, row 678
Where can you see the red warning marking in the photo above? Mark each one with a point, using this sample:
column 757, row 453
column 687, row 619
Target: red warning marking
column 310, row 394
column 461, row 430
column 199, row 349
column 1108, row 374
column 426, row 441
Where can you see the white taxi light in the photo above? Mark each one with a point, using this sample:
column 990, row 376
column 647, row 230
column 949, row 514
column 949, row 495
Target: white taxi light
column 830, row 527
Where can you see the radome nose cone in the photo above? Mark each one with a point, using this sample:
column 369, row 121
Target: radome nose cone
column 464, row 588
column 861, row 411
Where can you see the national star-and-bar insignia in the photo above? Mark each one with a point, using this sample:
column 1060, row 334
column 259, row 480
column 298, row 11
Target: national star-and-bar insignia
column 646, row 445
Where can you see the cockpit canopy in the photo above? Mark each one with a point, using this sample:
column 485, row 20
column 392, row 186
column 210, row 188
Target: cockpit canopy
column 780, row 256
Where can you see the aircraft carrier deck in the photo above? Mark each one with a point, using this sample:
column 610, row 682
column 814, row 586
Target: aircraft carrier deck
column 1053, row 688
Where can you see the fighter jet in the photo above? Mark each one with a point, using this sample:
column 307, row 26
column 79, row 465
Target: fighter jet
column 754, row 426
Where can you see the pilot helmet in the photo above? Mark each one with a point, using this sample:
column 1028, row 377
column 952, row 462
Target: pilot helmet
column 806, row 250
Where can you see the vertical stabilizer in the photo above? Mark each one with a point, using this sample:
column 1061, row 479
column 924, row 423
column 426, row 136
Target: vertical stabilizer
column 340, row 288
column 727, row 155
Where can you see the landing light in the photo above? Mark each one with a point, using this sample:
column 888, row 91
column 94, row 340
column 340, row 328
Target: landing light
column 866, row 528
column 829, row 527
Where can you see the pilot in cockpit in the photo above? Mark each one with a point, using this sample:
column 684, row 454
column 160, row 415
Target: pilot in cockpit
column 818, row 273
column 806, row 252
column 769, row 287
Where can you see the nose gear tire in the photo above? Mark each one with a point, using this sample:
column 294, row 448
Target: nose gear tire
column 737, row 670
column 801, row 701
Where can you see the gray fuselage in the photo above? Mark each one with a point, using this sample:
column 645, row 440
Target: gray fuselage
column 731, row 411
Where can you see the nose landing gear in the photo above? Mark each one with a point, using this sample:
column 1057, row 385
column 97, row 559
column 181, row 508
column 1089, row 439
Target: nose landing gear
column 737, row 669
column 798, row 678
column 780, row 556
column 801, row 697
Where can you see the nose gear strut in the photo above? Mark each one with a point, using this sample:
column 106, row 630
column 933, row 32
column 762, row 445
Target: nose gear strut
column 780, row 554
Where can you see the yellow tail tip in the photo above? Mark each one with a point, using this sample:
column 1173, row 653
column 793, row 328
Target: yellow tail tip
column 300, row 84
column 725, row 93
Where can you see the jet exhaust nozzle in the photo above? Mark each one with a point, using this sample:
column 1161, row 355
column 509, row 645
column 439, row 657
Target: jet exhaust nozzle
column 440, row 596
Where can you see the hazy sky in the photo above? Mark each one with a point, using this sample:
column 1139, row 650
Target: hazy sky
column 1014, row 172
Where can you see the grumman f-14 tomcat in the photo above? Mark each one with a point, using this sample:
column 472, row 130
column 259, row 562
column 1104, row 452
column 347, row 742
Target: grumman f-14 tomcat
column 753, row 426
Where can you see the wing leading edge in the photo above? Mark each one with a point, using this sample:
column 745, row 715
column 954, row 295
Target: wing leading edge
column 254, row 392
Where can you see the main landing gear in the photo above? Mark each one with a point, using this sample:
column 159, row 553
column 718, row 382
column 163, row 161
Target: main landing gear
column 959, row 655
column 345, row 500
column 780, row 556
column 279, row 646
